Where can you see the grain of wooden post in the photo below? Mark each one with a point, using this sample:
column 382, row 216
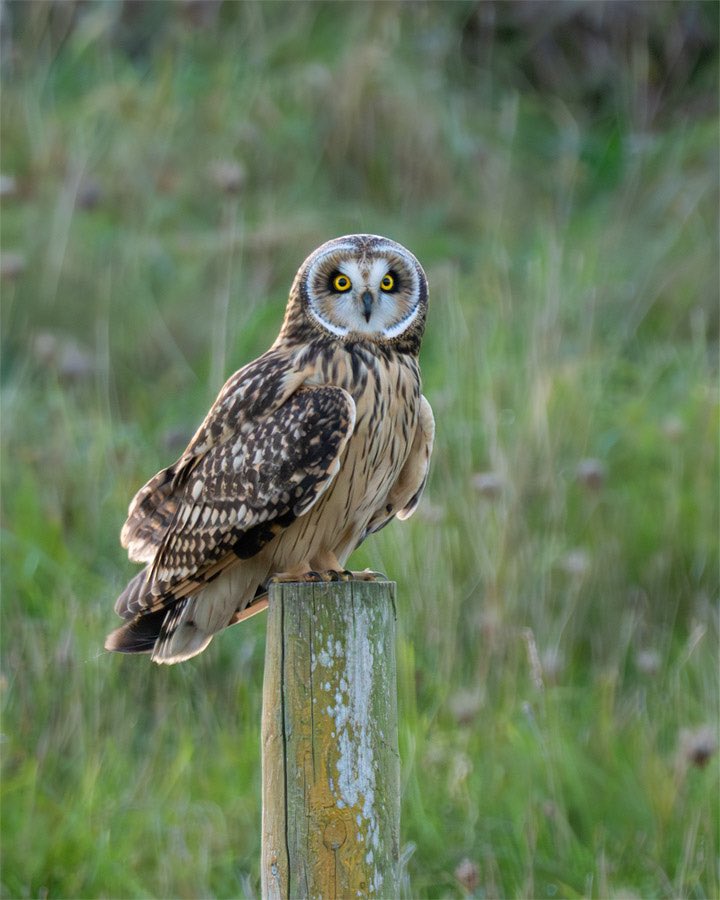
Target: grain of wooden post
column 331, row 770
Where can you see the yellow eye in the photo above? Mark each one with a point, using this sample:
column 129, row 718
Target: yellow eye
column 341, row 283
column 388, row 282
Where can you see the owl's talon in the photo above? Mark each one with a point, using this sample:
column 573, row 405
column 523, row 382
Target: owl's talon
column 312, row 577
column 329, row 575
column 367, row 575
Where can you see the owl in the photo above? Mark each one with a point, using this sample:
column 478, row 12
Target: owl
column 316, row 444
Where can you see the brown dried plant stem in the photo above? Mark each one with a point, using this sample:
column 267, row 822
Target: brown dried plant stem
column 331, row 769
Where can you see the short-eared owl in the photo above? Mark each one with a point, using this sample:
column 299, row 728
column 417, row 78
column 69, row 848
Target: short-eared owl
column 307, row 450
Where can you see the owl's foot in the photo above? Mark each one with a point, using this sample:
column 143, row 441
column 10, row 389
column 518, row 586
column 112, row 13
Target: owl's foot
column 324, row 576
column 310, row 576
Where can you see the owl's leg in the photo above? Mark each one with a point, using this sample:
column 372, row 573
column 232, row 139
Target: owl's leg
column 329, row 568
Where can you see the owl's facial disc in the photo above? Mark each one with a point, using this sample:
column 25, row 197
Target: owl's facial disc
column 372, row 295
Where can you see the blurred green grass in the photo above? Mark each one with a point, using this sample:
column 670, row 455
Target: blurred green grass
column 556, row 173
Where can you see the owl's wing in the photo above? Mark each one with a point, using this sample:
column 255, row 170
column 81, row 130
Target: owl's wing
column 405, row 494
column 255, row 391
column 239, row 492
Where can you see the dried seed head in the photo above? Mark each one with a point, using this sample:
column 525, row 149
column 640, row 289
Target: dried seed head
column 228, row 175
column 89, row 195
column 63, row 355
column 648, row 662
column 576, row 562
column 468, row 874
column 673, row 428
column 698, row 745
column 591, row 474
column 465, row 705
column 488, row 484
column 12, row 265
column 8, row 186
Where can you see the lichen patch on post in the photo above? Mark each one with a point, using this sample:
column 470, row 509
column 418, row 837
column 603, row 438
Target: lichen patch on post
column 354, row 670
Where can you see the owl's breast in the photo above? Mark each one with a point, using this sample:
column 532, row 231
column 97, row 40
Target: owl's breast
column 386, row 391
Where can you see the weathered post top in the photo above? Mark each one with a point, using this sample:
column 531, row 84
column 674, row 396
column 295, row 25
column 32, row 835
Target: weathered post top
column 331, row 769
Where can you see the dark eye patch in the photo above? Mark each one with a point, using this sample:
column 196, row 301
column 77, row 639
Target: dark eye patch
column 339, row 283
column 397, row 282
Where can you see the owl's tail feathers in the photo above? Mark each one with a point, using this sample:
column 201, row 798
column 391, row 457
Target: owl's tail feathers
column 180, row 636
column 184, row 626
column 168, row 634
column 138, row 635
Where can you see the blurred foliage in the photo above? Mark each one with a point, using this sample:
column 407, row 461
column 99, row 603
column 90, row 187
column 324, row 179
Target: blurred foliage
column 165, row 169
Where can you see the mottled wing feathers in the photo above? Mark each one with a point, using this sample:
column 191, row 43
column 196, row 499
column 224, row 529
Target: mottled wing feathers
column 405, row 494
column 250, row 394
column 152, row 510
column 244, row 489
column 274, row 471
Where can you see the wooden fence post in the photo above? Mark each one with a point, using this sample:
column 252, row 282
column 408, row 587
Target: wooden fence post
column 331, row 769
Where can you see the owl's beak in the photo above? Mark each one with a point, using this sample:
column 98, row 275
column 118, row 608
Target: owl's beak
column 367, row 302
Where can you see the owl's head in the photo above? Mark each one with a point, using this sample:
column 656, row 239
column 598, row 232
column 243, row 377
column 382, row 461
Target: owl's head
column 362, row 287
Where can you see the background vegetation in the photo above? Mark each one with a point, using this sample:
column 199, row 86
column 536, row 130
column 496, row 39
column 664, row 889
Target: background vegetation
column 166, row 167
